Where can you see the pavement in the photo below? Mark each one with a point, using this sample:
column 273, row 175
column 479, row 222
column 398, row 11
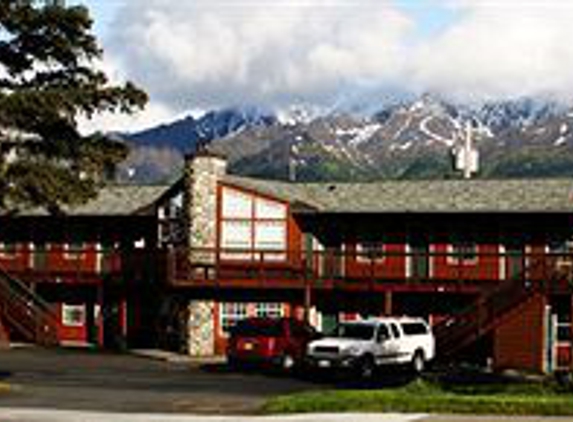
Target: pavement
column 157, row 386
column 50, row 415
column 41, row 415
column 172, row 357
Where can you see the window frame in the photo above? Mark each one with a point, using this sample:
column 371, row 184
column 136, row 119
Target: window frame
column 9, row 250
column 258, row 205
column 457, row 256
column 68, row 309
column 371, row 251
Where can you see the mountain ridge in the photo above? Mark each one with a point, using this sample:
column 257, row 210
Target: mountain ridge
column 410, row 139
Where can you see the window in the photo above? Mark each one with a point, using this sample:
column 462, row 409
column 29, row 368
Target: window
column 74, row 249
column 73, row 315
column 236, row 239
column 414, row 328
column 8, row 250
column 250, row 224
column 271, row 236
column 462, row 253
column 269, row 309
column 558, row 246
column 265, row 209
column 383, row 333
column 236, row 204
column 370, row 252
column 395, row 331
column 231, row 313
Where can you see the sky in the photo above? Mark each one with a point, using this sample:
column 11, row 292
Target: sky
column 193, row 55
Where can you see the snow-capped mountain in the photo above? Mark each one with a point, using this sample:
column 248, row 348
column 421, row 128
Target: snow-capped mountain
column 407, row 139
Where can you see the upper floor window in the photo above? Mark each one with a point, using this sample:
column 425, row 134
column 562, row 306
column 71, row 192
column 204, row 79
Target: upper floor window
column 8, row 250
column 371, row 251
column 463, row 252
column 74, row 249
column 252, row 227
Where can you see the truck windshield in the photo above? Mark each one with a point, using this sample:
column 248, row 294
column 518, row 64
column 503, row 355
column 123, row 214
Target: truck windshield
column 356, row 331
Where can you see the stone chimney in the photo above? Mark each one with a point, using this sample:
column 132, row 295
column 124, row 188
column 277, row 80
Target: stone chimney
column 202, row 173
column 203, row 170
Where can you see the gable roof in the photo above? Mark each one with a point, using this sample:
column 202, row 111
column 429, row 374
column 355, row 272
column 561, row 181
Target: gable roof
column 429, row 196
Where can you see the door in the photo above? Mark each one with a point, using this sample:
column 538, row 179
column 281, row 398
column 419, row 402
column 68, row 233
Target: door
column 515, row 261
column 419, row 260
column 386, row 345
column 40, row 256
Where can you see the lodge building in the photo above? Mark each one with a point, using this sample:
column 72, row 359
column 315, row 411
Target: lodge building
column 487, row 262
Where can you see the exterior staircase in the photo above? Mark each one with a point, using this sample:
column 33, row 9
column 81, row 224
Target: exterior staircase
column 459, row 331
column 25, row 313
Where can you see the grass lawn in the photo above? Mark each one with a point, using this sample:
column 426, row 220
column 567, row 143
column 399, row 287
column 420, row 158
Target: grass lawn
column 436, row 396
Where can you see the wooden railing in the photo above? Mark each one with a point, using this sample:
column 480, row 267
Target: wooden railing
column 81, row 266
column 542, row 274
column 26, row 312
column 347, row 268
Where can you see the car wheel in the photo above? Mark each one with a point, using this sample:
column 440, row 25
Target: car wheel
column 366, row 368
column 418, row 362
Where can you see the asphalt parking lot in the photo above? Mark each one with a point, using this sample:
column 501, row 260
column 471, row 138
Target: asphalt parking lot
column 88, row 380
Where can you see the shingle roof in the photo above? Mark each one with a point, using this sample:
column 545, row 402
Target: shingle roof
column 523, row 195
column 116, row 200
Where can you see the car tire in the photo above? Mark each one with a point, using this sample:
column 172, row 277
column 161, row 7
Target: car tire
column 366, row 367
column 418, row 362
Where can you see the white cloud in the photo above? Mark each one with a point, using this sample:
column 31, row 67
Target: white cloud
column 207, row 53
column 212, row 53
column 501, row 49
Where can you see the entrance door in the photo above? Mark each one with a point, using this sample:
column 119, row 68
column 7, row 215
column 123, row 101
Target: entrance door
column 515, row 261
column 419, row 260
column 40, row 256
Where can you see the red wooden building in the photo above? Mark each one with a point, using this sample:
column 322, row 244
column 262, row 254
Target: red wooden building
column 85, row 276
column 486, row 262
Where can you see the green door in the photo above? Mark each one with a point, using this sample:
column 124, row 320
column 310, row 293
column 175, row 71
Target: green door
column 419, row 260
column 40, row 256
column 515, row 261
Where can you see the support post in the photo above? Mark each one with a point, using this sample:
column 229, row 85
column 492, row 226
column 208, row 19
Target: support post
column 388, row 303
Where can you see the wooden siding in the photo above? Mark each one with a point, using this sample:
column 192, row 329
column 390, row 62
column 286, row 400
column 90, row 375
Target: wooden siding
column 519, row 341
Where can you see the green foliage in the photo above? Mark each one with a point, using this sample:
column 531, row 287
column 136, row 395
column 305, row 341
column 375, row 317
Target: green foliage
column 48, row 80
column 423, row 396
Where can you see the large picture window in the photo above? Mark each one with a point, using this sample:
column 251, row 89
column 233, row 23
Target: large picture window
column 252, row 228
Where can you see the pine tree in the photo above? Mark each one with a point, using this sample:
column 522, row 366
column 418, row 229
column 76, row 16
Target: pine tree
column 48, row 80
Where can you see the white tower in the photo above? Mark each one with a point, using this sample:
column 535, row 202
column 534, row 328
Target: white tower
column 466, row 156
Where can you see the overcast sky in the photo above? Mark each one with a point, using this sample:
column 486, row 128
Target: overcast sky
column 203, row 54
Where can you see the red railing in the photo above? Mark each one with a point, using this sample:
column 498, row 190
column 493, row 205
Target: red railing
column 210, row 266
column 26, row 312
column 84, row 265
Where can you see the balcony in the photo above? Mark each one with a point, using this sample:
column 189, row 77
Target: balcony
column 83, row 266
column 350, row 270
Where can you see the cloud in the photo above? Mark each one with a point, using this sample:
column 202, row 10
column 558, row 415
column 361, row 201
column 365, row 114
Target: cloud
column 500, row 49
column 212, row 53
column 207, row 53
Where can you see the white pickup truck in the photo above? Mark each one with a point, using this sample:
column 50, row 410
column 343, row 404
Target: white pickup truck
column 364, row 345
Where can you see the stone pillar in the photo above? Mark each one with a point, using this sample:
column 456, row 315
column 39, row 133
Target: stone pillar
column 202, row 173
column 201, row 328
